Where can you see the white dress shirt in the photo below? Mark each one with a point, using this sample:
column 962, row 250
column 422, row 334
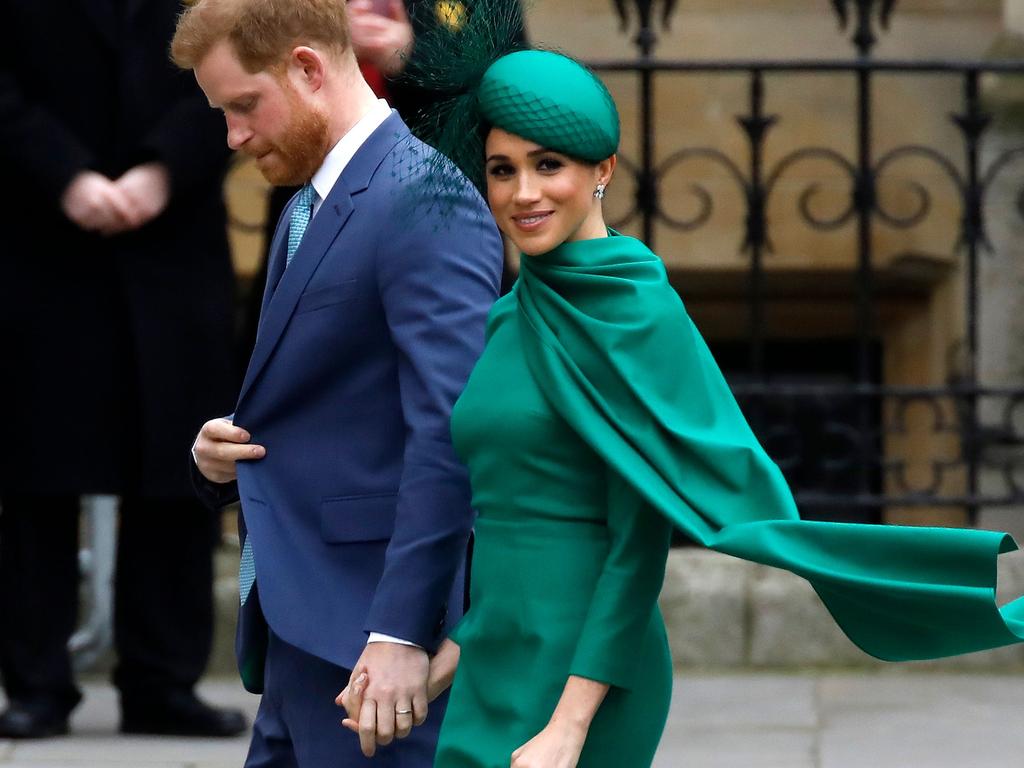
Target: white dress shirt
column 338, row 158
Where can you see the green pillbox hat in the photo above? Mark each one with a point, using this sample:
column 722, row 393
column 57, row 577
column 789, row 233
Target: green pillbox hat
column 552, row 100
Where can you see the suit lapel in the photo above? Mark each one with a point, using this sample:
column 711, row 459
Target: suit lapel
column 279, row 303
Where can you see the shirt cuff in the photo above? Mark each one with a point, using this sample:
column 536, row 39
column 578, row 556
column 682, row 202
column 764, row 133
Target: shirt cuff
column 380, row 637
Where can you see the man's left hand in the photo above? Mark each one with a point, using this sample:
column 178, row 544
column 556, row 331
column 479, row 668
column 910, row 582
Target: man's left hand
column 147, row 188
column 388, row 690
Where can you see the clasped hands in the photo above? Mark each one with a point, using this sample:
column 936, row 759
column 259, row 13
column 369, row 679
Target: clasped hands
column 391, row 684
column 390, row 689
column 96, row 203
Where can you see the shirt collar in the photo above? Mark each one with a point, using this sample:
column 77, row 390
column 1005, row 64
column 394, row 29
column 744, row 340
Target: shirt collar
column 327, row 176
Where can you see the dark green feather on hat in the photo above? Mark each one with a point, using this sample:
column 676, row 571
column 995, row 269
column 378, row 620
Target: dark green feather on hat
column 486, row 80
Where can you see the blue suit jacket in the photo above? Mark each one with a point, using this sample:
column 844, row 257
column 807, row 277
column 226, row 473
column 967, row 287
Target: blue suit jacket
column 360, row 512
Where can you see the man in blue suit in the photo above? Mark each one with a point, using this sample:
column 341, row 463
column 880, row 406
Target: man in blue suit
column 356, row 512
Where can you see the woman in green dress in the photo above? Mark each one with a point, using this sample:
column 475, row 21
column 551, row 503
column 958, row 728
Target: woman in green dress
column 563, row 658
column 595, row 420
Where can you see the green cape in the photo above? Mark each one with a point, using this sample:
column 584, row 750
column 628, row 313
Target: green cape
column 612, row 348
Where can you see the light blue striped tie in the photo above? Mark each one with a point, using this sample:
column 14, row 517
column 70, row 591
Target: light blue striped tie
column 301, row 214
column 246, row 571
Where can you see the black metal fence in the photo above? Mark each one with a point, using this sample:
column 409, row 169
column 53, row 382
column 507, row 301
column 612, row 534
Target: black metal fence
column 838, row 436
column 834, row 440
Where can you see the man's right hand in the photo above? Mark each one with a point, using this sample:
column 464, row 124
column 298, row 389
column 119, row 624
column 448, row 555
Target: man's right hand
column 219, row 445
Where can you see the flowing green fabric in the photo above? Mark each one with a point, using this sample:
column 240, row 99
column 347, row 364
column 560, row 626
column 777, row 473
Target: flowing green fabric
column 612, row 348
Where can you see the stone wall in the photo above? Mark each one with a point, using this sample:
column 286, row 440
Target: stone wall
column 727, row 613
column 721, row 613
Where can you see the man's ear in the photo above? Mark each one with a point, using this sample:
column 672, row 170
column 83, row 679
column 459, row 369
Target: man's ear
column 306, row 68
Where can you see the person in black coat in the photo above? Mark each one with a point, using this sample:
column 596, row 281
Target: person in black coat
column 115, row 336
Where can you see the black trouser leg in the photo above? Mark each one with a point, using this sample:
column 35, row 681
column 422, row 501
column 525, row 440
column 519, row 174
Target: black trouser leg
column 163, row 614
column 38, row 598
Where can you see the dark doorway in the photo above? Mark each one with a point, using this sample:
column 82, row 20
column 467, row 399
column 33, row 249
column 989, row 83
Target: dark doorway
column 823, row 434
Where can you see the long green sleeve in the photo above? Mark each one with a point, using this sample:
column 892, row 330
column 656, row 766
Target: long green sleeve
column 626, row 594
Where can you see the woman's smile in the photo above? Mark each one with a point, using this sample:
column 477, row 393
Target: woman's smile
column 532, row 221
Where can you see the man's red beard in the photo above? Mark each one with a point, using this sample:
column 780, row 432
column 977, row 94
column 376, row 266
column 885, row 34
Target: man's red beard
column 301, row 149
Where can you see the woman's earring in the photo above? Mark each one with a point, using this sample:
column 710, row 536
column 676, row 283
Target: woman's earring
column 599, row 192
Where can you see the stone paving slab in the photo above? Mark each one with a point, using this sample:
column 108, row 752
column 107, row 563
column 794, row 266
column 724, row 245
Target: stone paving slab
column 94, row 741
column 764, row 720
column 762, row 700
column 891, row 719
column 742, row 748
column 941, row 720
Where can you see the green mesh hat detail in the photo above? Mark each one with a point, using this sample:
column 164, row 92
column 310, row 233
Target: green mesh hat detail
column 552, row 100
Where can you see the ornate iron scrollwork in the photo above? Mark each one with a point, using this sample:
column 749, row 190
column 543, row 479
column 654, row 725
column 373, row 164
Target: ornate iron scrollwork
column 807, row 195
column 644, row 11
column 922, row 194
column 864, row 37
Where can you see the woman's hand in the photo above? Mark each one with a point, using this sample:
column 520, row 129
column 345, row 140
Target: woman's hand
column 439, row 679
column 560, row 743
column 442, row 669
column 351, row 699
column 557, row 746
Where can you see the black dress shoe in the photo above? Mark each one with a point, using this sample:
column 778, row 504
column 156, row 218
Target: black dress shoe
column 31, row 720
column 178, row 713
